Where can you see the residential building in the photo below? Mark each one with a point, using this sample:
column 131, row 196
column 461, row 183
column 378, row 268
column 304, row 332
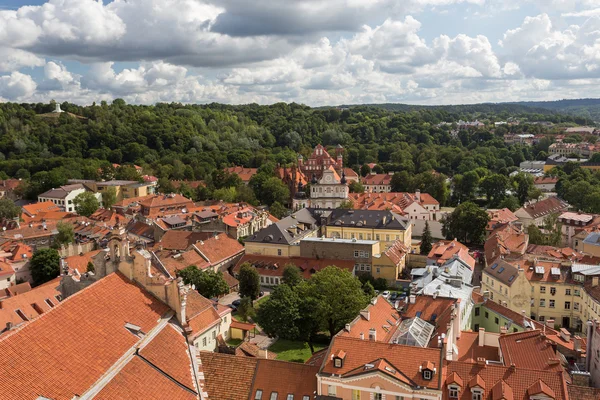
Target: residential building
column 378, row 183
column 63, row 196
column 535, row 213
column 357, row 369
column 507, row 285
column 593, row 351
column 545, row 183
column 360, row 252
column 31, row 210
column 591, row 244
column 583, row 150
column 270, row 268
column 246, row 221
column 283, row 237
column 581, row 130
column 390, row 264
column 506, row 241
column 158, row 205
column 7, row 188
column 239, row 377
column 572, row 223
column 384, row 226
column 245, row 174
column 8, row 276
column 444, row 250
column 535, row 168
column 123, row 189
column 499, row 218
column 330, row 191
column 18, row 256
column 415, row 206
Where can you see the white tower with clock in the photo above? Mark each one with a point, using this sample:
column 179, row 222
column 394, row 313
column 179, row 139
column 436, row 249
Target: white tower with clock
column 330, row 191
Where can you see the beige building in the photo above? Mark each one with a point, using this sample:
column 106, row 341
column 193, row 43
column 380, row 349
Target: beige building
column 507, row 285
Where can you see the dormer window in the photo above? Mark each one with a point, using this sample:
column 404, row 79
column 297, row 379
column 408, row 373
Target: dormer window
column 427, row 369
column 427, row 375
column 453, row 391
column 338, row 359
column 477, row 394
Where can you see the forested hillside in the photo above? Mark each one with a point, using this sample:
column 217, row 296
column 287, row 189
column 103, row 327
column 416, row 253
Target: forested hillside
column 191, row 142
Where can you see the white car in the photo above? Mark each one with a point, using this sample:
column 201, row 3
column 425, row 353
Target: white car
column 386, row 294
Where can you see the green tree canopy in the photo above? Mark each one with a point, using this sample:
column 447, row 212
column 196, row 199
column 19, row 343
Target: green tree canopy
column 208, row 283
column 426, row 239
column 278, row 210
column 109, row 197
column 292, row 276
column 86, row 204
column 249, row 281
column 467, row 223
column 8, row 209
column 65, row 234
column 44, row 266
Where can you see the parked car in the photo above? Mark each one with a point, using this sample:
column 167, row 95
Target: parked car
column 236, row 303
column 377, row 292
column 386, row 294
column 393, row 296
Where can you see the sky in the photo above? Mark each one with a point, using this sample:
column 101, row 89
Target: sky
column 315, row 52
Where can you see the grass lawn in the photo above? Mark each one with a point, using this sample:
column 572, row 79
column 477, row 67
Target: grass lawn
column 260, row 301
column 234, row 342
column 288, row 350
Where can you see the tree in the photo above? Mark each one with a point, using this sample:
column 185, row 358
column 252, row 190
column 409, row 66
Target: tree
column 44, row 265
column 365, row 170
column 109, row 197
column 278, row 210
column 90, row 267
column 208, row 283
column 523, row 185
column 510, row 202
column 279, row 314
column 346, row 205
column 467, row 223
column 495, row 187
column 228, row 195
column 246, row 309
column 128, row 173
column 249, row 281
column 356, row 187
column 65, row 234
column 292, row 276
column 426, row 239
column 339, row 297
column 8, row 209
column 86, row 203
column 274, row 190
column 368, row 289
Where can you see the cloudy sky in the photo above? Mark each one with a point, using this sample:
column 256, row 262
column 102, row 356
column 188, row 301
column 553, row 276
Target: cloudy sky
column 317, row 52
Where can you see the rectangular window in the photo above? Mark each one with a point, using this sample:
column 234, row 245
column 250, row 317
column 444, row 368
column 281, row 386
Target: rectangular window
column 355, row 394
column 542, row 302
column 542, row 289
column 487, row 315
column 204, row 342
column 387, row 238
column 551, row 303
column 577, row 293
column 496, row 320
column 552, row 291
column 258, row 395
column 356, row 253
column 453, row 392
column 568, row 292
column 290, row 397
column 477, row 395
column 567, row 305
column 576, row 306
column 477, row 311
column 541, row 318
column 377, row 237
column 330, row 390
column 273, row 396
column 377, row 396
column 214, row 334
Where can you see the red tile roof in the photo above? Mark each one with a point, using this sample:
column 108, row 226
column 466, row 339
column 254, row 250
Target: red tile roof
column 405, row 359
column 17, row 289
column 31, row 303
column 530, row 350
column 252, row 350
column 35, row 208
column 181, row 240
column 500, row 217
column 545, row 180
column 230, row 377
column 377, row 179
column 381, row 316
column 139, row 380
column 469, row 349
column 97, row 316
column 545, row 207
column 274, row 266
column 245, row 174
column 80, row 263
column 219, row 248
column 505, row 240
column 393, row 201
column 443, row 251
column 514, row 382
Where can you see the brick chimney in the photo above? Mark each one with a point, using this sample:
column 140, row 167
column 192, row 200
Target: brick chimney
column 481, row 338
column 550, row 323
column 565, row 335
column 372, row 335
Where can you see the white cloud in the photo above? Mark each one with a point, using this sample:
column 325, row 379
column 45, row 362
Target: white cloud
column 16, row 86
column 15, row 59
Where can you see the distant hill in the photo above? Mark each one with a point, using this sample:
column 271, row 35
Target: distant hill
column 585, row 108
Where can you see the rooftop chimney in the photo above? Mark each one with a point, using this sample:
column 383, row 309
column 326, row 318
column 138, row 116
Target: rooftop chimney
column 503, row 330
column 550, row 323
column 347, row 327
column 577, row 343
column 565, row 335
column 365, row 314
column 362, row 336
column 372, row 334
column 412, row 299
column 481, row 361
column 481, row 338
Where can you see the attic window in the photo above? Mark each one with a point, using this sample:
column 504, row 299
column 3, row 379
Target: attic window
column 58, row 297
column 49, row 302
column 511, row 278
column 273, row 396
column 494, row 266
column 427, row 375
column 258, row 395
column 501, row 270
column 21, row 314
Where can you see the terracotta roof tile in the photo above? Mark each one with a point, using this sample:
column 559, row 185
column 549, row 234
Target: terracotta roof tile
column 139, row 380
column 96, row 315
column 248, row 349
column 395, row 201
column 227, row 377
column 181, row 240
column 245, row 174
column 545, row 207
column 511, row 381
column 583, row 393
column 382, row 316
column 219, row 248
column 285, row 378
column 530, row 350
column 469, row 349
column 377, row 179
column 44, row 206
column 169, row 352
column 405, row 359
column 443, row 251
column 505, row 240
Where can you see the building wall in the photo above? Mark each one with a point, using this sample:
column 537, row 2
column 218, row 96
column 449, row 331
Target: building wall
column 8, row 281
column 207, row 341
column 591, row 249
column 370, row 384
column 385, row 268
column 338, row 250
column 270, row 249
column 386, row 237
column 491, row 321
column 574, row 298
column 65, row 204
column 517, row 297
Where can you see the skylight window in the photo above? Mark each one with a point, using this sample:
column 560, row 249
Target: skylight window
column 501, row 270
column 494, row 265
